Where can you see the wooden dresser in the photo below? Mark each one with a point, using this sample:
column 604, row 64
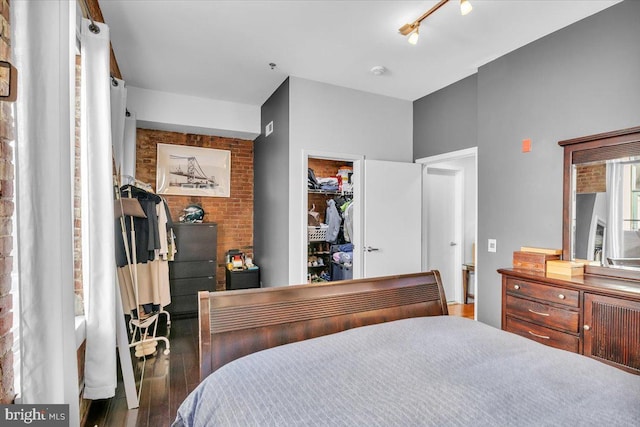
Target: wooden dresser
column 594, row 315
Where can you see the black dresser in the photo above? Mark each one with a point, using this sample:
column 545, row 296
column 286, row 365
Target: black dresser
column 194, row 266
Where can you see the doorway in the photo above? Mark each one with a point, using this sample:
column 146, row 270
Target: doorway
column 450, row 185
column 330, row 233
column 442, row 224
column 317, row 255
column 383, row 189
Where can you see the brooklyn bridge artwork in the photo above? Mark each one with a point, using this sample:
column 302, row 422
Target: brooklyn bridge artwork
column 193, row 171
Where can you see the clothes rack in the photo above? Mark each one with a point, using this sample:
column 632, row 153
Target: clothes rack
column 143, row 326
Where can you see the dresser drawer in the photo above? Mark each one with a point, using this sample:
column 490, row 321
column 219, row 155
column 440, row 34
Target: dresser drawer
column 195, row 242
column 551, row 294
column 244, row 279
column 543, row 314
column 192, row 286
column 186, row 269
column 543, row 335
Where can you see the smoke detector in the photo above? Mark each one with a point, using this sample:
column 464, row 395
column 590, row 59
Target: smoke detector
column 378, row 70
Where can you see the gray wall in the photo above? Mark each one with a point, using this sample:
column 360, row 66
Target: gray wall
column 446, row 120
column 581, row 80
column 335, row 119
column 271, row 189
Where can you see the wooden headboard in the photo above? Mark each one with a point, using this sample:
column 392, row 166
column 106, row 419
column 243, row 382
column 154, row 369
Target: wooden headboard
column 236, row 323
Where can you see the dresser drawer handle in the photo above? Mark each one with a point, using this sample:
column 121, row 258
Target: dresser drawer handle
column 544, row 337
column 516, row 287
column 586, row 327
column 538, row 313
column 561, row 296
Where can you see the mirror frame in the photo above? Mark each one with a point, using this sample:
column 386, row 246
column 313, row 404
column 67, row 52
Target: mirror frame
column 602, row 146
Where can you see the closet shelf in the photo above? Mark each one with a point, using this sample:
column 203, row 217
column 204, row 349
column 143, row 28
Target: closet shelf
column 331, row 193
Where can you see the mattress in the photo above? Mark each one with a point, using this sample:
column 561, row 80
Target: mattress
column 427, row 371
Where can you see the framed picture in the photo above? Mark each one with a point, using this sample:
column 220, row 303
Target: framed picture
column 193, row 171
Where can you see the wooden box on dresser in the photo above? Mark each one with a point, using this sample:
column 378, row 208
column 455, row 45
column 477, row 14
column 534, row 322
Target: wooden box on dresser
column 194, row 266
column 594, row 315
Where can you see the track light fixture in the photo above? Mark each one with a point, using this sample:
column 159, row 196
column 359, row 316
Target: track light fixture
column 412, row 30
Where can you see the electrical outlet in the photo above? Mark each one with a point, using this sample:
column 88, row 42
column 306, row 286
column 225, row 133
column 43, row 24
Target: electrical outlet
column 492, row 245
column 268, row 129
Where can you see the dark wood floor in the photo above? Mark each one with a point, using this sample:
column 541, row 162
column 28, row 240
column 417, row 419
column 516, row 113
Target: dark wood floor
column 168, row 379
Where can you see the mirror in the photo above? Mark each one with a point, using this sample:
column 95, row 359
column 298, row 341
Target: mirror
column 606, row 212
column 601, row 222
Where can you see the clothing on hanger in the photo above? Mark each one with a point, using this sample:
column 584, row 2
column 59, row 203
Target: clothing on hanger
column 347, row 214
column 153, row 237
column 333, row 220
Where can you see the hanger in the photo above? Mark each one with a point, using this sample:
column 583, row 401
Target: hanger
column 137, row 183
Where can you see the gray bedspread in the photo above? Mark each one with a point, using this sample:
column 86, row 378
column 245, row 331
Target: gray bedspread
column 430, row 371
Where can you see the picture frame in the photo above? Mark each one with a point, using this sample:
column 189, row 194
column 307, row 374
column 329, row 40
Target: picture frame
column 193, row 171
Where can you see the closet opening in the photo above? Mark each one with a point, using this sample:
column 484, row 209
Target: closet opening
column 331, row 226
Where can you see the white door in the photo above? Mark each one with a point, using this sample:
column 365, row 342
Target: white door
column 440, row 224
column 392, row 218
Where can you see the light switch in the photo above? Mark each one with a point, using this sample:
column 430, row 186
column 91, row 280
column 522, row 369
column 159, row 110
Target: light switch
column 268, row 129
column 492, row 245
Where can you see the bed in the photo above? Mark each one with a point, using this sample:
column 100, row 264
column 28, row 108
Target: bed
column 384, row 352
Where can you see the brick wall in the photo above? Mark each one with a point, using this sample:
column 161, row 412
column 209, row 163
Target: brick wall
column 591, row 178
column 6, row 212
column 234, row 215
column 323, row 169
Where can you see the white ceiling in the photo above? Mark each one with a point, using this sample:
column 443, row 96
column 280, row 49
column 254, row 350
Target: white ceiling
column 221, row 49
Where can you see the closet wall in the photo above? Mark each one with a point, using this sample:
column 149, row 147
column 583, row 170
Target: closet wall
column 234, row 215
column 335, row 120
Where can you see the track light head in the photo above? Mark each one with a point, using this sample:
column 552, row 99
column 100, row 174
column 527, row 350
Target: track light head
column 413, row 38
column 465, row 7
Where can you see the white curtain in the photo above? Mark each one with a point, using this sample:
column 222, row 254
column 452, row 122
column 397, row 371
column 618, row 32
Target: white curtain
column 129, row 146
column 43, row 41
column 614, row 237
column 118, row 111
column 98, row 259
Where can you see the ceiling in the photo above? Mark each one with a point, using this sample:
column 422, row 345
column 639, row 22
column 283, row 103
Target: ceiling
column 222, row 49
